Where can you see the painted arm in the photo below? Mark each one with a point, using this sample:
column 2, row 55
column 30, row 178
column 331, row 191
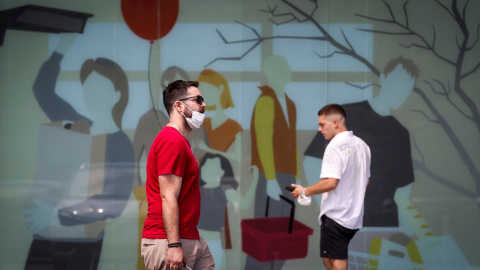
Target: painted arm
column 264, row 117
column 138, row 149
column 233, row 152
column 52, row 105
column 117, row 186
column 234, row 196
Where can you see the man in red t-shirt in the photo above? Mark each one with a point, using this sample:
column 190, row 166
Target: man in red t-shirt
column 170, row 237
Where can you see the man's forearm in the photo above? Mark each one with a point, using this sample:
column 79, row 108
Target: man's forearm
column 171, row 219
column 322, row 186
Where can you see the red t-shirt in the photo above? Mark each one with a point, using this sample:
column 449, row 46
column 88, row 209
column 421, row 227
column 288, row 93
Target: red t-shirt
column 171, row 154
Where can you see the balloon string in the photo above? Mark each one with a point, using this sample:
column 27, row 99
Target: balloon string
column 150, row 86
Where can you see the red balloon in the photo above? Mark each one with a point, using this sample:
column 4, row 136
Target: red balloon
column 150, row 19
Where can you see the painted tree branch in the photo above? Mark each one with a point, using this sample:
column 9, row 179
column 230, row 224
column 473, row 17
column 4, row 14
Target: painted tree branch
column 408, row 31
column 439, row 119
column 255, row 42
column 458, row 65
column 461, row 22
column 446, row 93
column 424, row 168
column 328, row 55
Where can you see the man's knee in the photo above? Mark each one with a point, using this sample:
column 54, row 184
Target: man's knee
column 327, row 263
column 339, row 264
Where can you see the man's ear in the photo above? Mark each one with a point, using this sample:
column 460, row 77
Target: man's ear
column 335, row 123
column 176, row 106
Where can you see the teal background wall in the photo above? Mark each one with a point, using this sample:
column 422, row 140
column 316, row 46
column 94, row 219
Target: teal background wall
column 337, row 51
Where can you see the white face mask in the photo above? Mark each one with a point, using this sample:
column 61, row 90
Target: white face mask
column 197, row 118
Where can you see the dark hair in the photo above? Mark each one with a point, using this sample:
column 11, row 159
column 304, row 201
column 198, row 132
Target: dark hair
column 407, row 64
column 332, row 109
column 175, row 91
column 114, row 73
column 228, row 180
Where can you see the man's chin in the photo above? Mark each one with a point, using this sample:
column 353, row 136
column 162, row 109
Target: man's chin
column 186, row 125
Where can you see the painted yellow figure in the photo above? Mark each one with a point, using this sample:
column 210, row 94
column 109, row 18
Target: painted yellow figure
column 274, row 143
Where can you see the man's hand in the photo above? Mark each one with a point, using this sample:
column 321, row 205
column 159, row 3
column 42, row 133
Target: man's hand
column 175, row 258
column 296, row 192
column 273, row 189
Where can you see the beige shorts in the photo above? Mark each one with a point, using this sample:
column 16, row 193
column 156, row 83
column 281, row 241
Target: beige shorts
column 154, row 253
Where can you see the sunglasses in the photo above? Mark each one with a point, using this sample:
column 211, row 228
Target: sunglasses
column 199, row 99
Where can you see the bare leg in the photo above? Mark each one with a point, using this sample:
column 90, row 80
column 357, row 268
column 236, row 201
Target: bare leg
column 328, row 263
column 339, row 264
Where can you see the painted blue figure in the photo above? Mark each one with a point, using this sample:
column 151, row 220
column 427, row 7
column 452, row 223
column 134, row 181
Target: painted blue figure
column 84, row 167
column 389, row 141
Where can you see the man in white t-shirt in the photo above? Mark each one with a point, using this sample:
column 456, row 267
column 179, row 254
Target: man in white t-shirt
column 344, row 178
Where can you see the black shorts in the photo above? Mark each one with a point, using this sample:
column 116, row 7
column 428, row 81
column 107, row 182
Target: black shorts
column 334, row 239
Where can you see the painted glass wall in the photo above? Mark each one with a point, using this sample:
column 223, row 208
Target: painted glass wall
column 80, row 101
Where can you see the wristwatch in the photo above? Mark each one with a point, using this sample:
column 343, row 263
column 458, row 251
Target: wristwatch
column 303, row 192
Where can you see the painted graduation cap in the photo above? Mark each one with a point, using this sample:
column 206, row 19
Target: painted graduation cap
column 42, row 19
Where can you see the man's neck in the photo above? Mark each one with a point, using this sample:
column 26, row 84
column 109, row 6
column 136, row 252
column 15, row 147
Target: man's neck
column 341, row 129
column 181, row 126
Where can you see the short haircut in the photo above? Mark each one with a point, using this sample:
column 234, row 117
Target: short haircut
column 331, row 109
column 407, row 64
column 116, row 75
column 174, row 91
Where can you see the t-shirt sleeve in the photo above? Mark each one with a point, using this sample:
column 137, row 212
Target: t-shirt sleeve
column 332, row 164
column 172, row 159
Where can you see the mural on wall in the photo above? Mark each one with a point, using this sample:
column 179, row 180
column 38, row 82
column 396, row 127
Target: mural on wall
column 223, row 136
column 389, row 142
column 84, row 168
column 274, row 145
column 407, row 78
column 392, row 159
column 36, row 18
column 147, row 129
column 218, row 188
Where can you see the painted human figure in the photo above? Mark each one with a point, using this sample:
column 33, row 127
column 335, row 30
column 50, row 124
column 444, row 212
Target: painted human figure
column 218, row 187
column 223, row 136
column 84, row 168
column 274, row 145
column 389, row 141
column 223, row 133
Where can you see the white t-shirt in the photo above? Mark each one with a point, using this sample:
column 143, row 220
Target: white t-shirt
column 346, row 158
